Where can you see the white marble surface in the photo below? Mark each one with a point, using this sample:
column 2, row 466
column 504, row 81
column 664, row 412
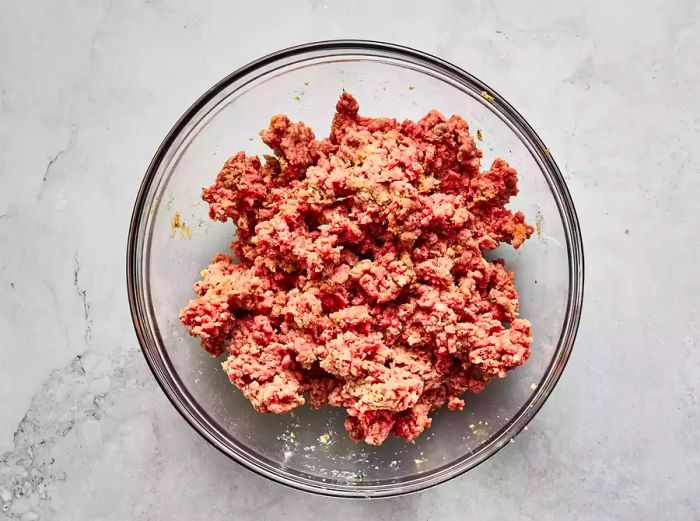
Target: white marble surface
column 89, row 88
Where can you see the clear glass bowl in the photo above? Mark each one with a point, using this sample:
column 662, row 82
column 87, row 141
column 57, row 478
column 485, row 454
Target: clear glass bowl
column 163, row 262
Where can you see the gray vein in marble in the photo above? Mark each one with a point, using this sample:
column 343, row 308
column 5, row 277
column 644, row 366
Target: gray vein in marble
column 82, row 293
column 51, row 165
column 99, row 27
column 51, row 162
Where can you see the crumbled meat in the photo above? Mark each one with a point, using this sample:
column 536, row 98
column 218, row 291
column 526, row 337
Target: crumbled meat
column 360, row 280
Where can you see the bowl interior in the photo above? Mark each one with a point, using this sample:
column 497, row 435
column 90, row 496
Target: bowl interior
column 295, row 446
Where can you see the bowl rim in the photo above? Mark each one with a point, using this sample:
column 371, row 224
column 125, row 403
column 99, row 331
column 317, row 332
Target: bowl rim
column 574, row 243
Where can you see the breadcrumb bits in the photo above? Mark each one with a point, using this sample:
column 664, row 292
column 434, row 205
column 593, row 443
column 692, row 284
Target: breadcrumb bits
column 487, row 96
column 324, row 438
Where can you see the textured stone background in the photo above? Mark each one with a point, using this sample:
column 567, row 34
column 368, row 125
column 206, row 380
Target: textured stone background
column 89, row 88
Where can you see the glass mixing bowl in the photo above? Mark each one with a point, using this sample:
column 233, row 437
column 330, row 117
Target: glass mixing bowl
column 309, row 449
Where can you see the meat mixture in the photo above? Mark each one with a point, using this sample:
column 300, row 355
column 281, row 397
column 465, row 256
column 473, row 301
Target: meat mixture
column 357, row 275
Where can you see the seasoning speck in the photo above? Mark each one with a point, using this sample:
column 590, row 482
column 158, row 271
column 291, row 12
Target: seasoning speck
column 411, row 87
column 178, row 224
column 479, row 135
column 487, row 96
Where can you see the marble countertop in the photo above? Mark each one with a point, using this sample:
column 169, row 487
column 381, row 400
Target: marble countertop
column 89, row 88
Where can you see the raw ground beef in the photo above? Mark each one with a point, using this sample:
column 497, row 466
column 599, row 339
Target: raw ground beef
column 357, row 277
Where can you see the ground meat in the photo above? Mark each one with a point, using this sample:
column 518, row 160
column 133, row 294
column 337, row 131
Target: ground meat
column 357, row 277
